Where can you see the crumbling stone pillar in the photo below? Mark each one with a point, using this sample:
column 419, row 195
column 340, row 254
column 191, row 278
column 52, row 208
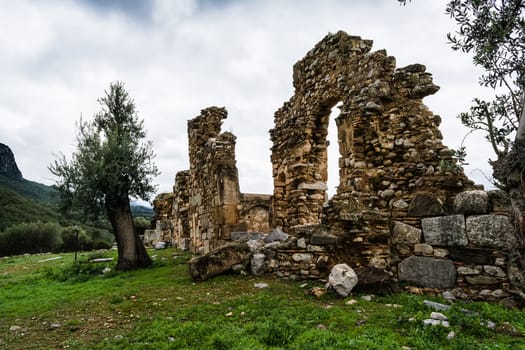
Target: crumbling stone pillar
column 214, row 194
column 181, row 222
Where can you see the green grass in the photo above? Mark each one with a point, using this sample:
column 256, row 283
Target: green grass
column 162, row 308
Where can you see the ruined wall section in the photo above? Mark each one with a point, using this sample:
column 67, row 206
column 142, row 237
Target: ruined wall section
column 389, row 144
column 214, row 193
column 179, row 212
column 162, row 221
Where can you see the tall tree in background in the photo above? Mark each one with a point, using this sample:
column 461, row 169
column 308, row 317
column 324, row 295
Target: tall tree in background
column 494, row 32
column 111, row 163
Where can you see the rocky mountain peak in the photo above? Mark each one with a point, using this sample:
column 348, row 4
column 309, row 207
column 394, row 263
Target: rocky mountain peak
column 8, row 165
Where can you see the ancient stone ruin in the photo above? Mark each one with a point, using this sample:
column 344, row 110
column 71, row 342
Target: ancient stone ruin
column 404, row 210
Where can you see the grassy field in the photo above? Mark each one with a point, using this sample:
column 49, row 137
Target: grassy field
column 55, row 304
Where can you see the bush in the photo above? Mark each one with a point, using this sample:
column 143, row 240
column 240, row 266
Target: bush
column 71, row 243
column 34, row 237
column 141, row 224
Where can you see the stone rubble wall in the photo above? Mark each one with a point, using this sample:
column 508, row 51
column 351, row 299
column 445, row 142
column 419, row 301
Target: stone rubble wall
column 389, row 143
column 404, row 211
column 162, row 222
column 181, row 225
column 472, row 251
column 206, row 204
column 214, row 191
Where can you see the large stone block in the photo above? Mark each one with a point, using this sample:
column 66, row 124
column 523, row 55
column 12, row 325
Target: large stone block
column 445, row 230
column 424, row 205
column 323, row 239
column 405, row 234
column 494, row 231
column 219, row 260
column 471, row 202
column 427, row 272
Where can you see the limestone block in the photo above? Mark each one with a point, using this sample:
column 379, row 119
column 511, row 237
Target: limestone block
column 246, row 235
column 276, row 235
column 318, row 185
column 257, row 264
column 423, row 249
column 342, row 279
column 445, row 230
column 219, row 260
column 481, row 280
column 440, row 252
column 471, row 202
column 405, row 234
column 494, row 271
column 469, row 270
column 299, row 257
column 494, row 231
column 427, row 272
column 424, row 205
column 323, row 239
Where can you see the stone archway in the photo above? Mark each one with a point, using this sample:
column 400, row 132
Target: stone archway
column 389, row 141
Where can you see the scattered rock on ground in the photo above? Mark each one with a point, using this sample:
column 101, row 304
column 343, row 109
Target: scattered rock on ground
column 219, row 260
column 342, row 279
column 15, row 329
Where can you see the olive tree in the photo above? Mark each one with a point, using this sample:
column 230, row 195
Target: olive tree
column 111, row 163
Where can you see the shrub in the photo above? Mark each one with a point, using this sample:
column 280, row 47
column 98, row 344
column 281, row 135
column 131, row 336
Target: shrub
column 34, row 237
column 72, row 243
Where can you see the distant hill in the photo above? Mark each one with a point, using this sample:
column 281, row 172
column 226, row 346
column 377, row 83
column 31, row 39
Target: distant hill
column 8, row 165
column 141, row 210
column 16, row 209
column 30, row 189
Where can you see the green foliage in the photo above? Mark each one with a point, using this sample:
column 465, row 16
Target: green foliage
column 141, row 224
column 89, row 238
column 494, row 31
column 32, row 190
column 79, row 272
column 35, row 237
column 111, row 162
column 17, row 209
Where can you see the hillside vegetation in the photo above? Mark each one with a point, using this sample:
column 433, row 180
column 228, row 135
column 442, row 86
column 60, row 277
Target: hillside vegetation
column 48, row 302
column 17, row 209
column 30, row 189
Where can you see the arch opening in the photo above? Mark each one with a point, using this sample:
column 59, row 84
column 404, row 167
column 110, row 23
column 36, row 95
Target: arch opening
column 333, row 152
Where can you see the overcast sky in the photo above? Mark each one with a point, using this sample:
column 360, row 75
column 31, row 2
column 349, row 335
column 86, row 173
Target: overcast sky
column 177, row 57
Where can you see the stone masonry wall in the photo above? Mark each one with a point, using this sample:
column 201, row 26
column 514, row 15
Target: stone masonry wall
column 404, row 211
column 181, row 221
column 389, row 145
column 214, row 191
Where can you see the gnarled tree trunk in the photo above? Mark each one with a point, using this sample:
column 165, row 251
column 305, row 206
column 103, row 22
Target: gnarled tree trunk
column 131, row 251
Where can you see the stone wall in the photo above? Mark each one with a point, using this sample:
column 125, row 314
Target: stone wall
column 404, row 210
column 390, row 146
column 214, row 190
column 206, row 205
column 180, row 210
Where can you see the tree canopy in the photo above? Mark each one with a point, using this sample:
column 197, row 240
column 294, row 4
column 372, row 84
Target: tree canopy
column 112, row 163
